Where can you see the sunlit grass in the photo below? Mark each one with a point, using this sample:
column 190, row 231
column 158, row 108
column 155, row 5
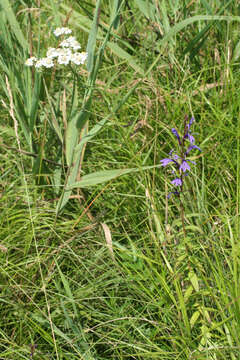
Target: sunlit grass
column 160, row 294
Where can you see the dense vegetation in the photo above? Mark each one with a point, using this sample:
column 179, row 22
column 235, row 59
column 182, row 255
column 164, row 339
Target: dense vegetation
column 97, row 261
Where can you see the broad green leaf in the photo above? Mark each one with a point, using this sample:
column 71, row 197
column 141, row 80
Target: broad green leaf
column 100, row 177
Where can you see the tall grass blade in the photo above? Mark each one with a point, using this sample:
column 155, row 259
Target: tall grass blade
column 91, row 46
column 7, row 8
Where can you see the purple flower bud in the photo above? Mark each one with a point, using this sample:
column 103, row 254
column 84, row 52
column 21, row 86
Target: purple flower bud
column 177, row 182
column 174, row 131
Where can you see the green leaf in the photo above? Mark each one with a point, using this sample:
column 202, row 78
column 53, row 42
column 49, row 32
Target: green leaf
column 93, row 38
column 7, row 8
column 100, row 177
column 194, row 280
column 194, row 318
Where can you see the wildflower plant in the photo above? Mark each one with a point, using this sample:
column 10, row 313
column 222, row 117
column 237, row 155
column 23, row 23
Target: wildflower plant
column 66, row 52
column 66, row 107
column 180, row 162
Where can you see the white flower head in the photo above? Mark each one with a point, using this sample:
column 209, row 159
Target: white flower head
column 52, row 53
column 71, row 42
column 64, row 43
column 47, row 62
column 79, row 58
column 61, row 31
column 30, row 61
column 64, row 59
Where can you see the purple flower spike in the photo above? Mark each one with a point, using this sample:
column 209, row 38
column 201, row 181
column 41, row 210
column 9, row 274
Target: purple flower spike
column 165, row 162
column 181, row 165
column 177, row 182
column 174, row 131
column 184, row 166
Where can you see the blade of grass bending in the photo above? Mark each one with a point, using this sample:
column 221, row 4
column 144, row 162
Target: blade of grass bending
column 200, row 36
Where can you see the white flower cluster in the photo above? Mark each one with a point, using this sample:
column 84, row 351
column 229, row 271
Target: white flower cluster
column 62, row 31
column 64, row 54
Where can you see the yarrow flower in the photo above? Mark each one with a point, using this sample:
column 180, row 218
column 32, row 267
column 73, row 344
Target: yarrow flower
column 71, row 42
column 30, row 61
column 67, row 53
column 181, row 163
column 79, row 58
column 62, row 31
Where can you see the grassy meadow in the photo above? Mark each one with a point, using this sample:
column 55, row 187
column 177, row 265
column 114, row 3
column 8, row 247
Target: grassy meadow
column 99, row 257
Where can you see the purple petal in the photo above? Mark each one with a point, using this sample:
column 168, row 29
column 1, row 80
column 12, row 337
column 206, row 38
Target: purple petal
column 174, row 131
column 190, row 138
column 192, row 147
column 176, row 182
column 190, row 122
column 166, row 161
column 184, row 166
